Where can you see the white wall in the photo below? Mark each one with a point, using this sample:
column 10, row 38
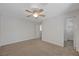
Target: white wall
column 53, row 30
column 14, row 29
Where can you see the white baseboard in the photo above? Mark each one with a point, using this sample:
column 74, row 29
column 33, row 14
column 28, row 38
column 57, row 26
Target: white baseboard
column 56, row 43
column 14, row 42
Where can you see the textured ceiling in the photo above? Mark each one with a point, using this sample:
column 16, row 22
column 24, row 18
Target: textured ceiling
column 17, row 10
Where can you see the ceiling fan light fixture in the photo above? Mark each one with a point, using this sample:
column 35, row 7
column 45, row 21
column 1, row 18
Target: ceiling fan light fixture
column 35, row 14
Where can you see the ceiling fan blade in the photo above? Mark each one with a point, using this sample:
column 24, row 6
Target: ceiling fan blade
column 28, row 11
column 29, row 14
column 41, row 10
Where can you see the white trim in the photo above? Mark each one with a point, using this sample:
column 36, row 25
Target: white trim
column 53, row 42
column 14, row 42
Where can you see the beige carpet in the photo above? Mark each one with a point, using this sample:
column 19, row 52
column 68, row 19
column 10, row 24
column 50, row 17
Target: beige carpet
column 35, row 47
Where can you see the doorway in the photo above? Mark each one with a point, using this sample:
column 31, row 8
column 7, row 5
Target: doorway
column 68, row 33
column 40, row 31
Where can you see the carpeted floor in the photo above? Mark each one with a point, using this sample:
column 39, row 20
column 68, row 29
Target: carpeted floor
column 35, row 47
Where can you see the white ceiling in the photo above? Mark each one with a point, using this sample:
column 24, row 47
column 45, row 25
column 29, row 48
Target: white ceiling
column 51, row 9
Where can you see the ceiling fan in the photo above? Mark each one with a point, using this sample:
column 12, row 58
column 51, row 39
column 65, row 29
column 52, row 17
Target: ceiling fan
column 36, row 12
